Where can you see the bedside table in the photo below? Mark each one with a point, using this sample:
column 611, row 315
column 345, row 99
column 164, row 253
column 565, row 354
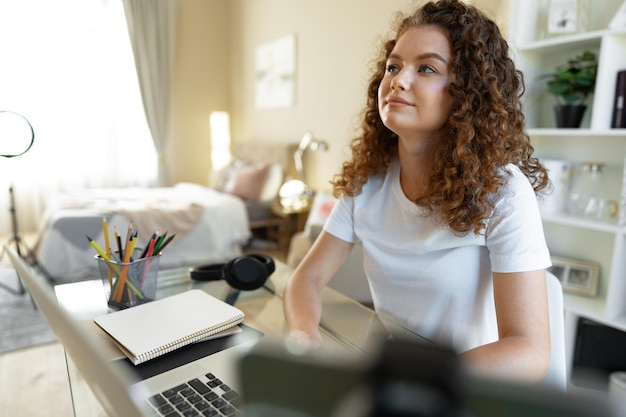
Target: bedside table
column 290, row 221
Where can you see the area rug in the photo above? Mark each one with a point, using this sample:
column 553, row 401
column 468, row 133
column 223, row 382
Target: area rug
column 21, row 323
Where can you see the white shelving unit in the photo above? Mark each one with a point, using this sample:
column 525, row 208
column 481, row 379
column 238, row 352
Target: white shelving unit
column 570, row 236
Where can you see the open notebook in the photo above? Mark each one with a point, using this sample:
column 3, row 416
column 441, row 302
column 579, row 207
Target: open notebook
column 150, row 330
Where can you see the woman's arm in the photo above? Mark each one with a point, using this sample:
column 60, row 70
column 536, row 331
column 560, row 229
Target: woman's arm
column 523, row 349
column 301, row 298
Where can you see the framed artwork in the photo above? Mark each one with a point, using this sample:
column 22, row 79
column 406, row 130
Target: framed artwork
column 576, row 276
column 563, row 16
column 275, row 67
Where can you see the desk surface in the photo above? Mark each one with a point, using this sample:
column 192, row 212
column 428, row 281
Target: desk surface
column 347, row 326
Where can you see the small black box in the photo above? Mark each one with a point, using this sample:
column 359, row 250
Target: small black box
column 599, row 350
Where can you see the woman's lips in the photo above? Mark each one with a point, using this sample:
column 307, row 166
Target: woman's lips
column 398, row 101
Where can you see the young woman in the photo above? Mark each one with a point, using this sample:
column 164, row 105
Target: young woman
column 441, row 191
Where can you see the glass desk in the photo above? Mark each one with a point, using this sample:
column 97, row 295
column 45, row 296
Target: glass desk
column 347, row 326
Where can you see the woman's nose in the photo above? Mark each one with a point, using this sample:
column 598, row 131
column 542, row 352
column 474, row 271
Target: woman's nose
column 401, row 81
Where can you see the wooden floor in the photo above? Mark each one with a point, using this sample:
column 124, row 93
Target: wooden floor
column 34, row 381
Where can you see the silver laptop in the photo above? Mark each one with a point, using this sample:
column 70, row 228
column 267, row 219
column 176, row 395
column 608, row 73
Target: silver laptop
column 211, row 381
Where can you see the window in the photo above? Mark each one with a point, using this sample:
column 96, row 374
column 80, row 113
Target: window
column 67, row 66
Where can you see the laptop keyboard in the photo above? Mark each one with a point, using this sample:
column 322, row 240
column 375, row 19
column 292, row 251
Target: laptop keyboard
column 206, row 396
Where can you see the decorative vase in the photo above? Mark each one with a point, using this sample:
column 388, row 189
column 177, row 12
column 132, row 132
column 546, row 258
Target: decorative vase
column 569, row 115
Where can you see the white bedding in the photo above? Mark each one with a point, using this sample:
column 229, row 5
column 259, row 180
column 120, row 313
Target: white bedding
column 210, row 226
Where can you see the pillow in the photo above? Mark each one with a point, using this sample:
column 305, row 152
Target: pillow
column 272, row 183
column 220, row 178
column 247, row 181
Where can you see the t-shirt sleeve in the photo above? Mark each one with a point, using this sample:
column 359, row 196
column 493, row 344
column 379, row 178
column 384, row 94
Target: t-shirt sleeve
column 515, row 239
column 340, row 223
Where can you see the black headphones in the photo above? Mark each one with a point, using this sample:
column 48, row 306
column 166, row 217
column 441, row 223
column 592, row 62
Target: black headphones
column 242, row 273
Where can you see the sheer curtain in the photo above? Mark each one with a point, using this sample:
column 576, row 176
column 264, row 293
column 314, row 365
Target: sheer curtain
column 67, row 66
column 152, row 27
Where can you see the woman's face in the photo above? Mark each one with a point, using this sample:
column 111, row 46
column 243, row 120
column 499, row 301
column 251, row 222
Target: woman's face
column 413, row 97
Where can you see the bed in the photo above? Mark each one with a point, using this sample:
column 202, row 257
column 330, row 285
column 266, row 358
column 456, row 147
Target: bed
column 211, row 224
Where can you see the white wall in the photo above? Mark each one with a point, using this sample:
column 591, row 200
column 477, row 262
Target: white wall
column 336, row 40
column 200, row 85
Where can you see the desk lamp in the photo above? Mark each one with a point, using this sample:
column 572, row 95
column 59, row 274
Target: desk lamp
column 294, row 194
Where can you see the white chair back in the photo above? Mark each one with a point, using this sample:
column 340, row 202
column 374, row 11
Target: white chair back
column 556, row 378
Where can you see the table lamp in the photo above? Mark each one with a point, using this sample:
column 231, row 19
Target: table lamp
column 294, row 194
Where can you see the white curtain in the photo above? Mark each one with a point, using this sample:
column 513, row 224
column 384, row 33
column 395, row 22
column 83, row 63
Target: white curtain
column 152, row 27
column 67, row 66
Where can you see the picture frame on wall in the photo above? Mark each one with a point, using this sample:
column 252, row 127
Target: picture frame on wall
column 275, row 68
column 577, row 276
column 563, row 16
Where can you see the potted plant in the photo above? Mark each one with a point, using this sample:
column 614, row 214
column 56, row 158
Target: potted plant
column 571, row 84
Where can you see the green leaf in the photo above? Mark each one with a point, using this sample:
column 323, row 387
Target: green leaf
column 575, row 79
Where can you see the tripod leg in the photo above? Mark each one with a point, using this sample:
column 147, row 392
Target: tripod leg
column 31, row 258
column 20, row 290
column 15, row 237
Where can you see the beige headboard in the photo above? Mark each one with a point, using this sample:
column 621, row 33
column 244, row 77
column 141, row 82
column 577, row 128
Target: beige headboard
column 266, row 152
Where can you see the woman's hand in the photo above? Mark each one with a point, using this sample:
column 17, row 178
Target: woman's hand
column 301, row 299
column 299, row 341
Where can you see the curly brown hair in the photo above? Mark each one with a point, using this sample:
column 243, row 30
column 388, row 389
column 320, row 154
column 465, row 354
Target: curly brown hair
column 485, row 130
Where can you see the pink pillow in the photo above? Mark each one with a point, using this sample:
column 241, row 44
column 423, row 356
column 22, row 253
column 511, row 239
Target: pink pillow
column 247, row 181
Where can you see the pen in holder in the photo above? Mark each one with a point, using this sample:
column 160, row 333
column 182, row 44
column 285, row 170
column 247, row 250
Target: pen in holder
column 127, row 284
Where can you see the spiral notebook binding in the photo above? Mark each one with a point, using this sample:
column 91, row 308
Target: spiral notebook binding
column 192, row 338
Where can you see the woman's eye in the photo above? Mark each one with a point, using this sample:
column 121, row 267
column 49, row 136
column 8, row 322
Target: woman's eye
column 426, row 69
column 392, row 68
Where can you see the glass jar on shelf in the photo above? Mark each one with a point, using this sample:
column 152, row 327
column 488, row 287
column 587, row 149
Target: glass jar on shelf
column 588, row 197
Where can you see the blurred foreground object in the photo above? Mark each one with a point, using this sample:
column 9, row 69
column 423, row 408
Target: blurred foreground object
column 406, row 379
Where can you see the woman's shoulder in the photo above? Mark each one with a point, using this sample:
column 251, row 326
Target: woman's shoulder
column 514, row 175
column 516, row 183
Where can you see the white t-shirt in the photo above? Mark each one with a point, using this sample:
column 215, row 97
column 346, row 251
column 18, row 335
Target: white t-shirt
column 427, row 277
